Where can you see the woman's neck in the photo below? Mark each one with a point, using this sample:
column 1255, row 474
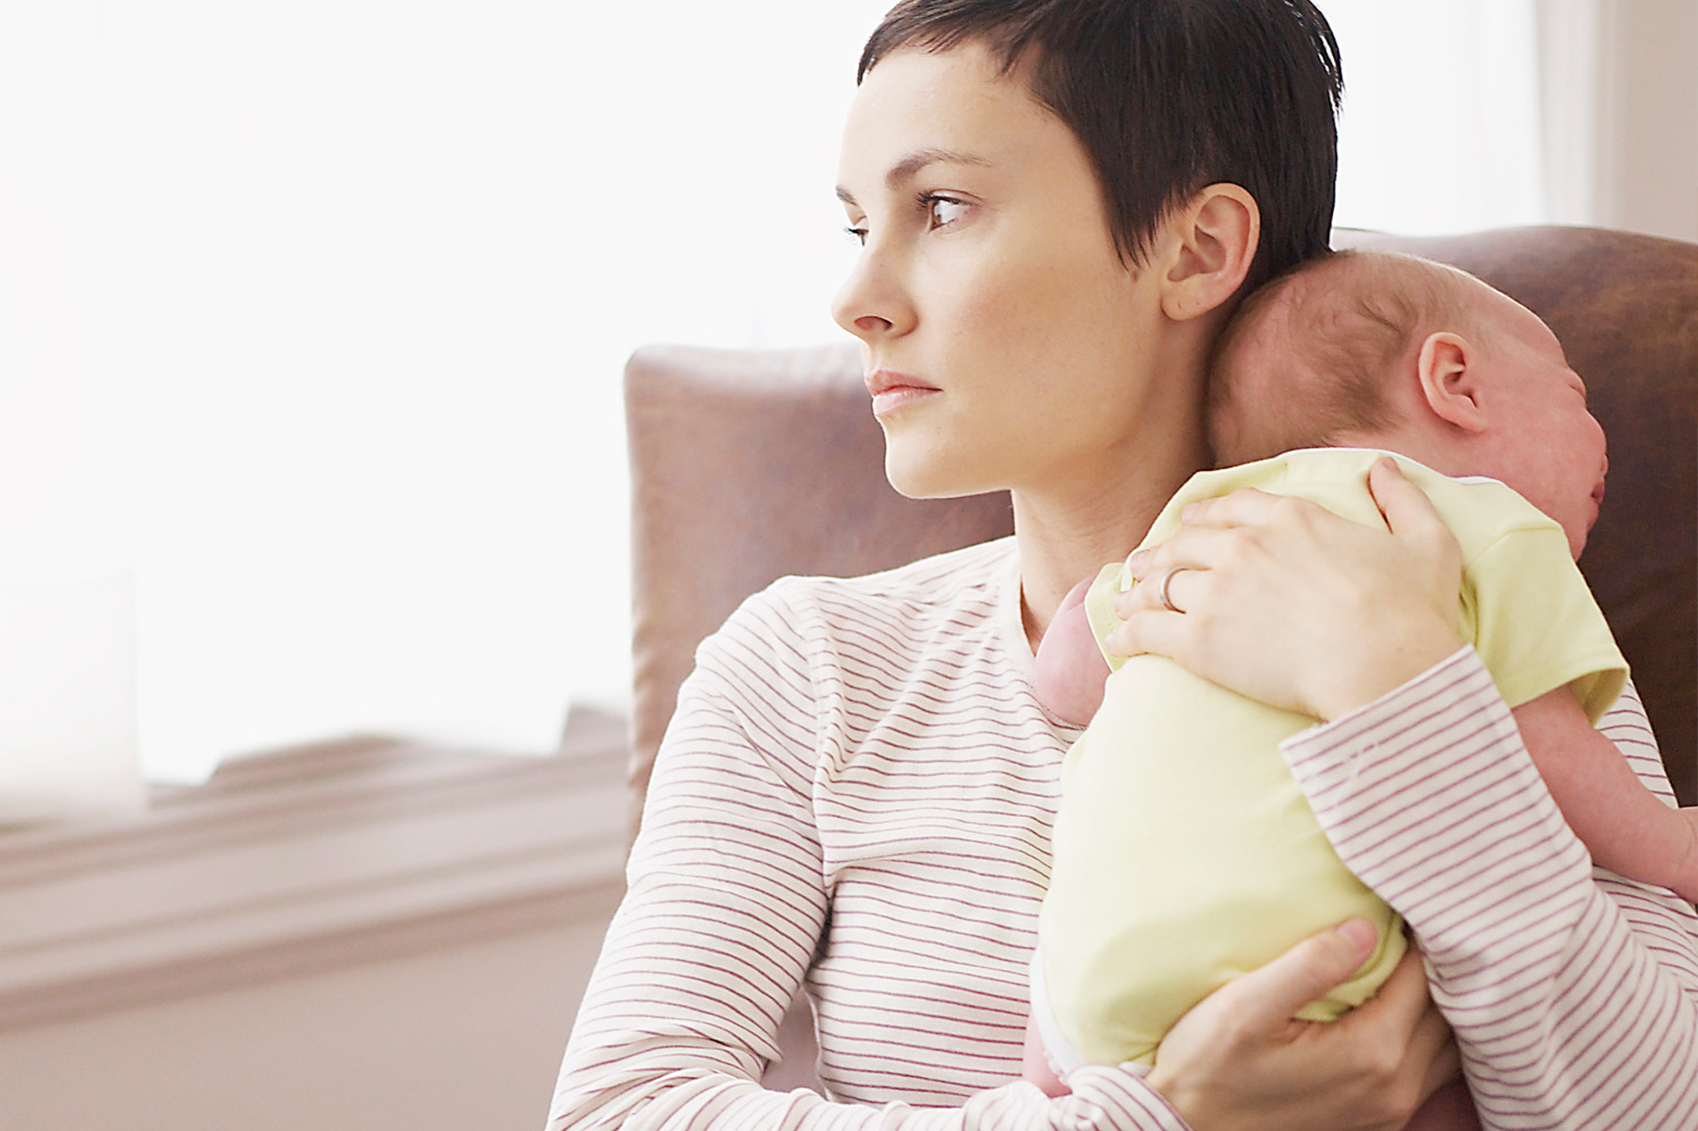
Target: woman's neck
column 1068, row 533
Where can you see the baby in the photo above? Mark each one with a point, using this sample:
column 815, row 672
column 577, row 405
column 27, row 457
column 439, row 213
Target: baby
column 1154, row 902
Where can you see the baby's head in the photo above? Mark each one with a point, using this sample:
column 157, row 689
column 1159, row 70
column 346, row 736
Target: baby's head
column 1373, row 349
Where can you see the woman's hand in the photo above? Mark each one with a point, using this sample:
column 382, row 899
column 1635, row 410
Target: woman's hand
column 1285, row 602
column 1239, row 1060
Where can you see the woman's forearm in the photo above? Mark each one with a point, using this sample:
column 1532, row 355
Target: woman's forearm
column 1574, row 999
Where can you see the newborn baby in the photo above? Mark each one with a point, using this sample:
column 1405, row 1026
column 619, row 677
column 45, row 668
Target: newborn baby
column 1155, row 903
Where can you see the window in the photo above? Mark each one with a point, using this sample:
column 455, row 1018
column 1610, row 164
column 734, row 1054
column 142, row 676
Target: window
column 312, row 315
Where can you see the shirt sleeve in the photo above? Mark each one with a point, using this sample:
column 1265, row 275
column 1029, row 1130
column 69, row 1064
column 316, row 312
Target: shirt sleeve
column 1537, row 626
column 1573, row 993
column 724, row 909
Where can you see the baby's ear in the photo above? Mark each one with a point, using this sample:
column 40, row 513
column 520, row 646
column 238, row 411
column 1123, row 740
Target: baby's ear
column 1450, row 372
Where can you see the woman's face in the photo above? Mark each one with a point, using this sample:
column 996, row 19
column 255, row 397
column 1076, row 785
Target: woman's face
column 1006, row 345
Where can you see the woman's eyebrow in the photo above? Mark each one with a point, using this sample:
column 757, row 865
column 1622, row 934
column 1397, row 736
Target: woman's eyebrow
column 905, row 169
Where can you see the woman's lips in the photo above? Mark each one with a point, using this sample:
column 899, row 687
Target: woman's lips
column 891, row 390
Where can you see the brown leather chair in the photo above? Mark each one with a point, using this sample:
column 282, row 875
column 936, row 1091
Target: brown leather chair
column 748, row 465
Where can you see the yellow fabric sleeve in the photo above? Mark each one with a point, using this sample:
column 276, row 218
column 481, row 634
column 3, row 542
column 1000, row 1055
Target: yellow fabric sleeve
column 1537, row 626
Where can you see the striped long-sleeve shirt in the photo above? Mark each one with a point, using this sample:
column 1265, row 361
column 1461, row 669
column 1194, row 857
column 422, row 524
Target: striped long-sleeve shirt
column 857, row 792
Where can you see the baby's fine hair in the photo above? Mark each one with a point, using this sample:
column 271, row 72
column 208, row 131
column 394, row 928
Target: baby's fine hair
column 1311, row 354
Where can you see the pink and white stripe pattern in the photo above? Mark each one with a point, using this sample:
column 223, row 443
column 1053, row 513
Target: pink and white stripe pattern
column 858, row 791
column 1573, row 992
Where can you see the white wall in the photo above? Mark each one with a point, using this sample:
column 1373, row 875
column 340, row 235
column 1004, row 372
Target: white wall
column 362, row 935
column 1647, row 163
column 466, row 1038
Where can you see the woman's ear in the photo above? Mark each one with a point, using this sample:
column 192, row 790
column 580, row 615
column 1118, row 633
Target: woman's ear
column 1448, row 368
column 1212, row 243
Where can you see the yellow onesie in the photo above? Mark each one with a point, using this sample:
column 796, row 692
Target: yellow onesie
column 1185, row 853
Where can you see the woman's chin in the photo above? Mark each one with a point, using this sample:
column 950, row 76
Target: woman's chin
column 906, row 482
column 929, row 480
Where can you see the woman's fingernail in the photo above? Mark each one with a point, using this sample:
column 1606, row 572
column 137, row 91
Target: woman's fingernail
column 1190, row 512
column 1362, row 935
column 1135, row 563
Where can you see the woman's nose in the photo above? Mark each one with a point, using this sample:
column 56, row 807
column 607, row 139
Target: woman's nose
column 869, row 304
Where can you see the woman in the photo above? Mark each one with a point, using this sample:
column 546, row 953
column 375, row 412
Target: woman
column 1060, row 202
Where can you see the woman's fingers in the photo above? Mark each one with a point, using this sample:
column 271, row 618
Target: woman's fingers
column 1409, row 514
column 1194, row 549
column 1435, row 1041
column 1283, row 601
column 1222, row 531
column 1243, row 507
column 1147, row 631
column 1269, row 996
column 1404, row 1006
column 1403, row 504
column 1403, row 1010
column 1239, row 1059
column 1150, row 625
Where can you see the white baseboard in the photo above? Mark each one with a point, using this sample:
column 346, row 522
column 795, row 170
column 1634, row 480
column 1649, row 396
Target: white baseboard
column 307, row 859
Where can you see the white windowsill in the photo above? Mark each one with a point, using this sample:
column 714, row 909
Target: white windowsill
column 307, row 859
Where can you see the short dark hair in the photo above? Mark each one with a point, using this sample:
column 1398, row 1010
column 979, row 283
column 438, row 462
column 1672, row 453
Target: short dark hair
column 1168, row 96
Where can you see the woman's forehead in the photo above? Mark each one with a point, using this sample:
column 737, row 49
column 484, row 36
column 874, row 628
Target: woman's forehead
column 957, row 103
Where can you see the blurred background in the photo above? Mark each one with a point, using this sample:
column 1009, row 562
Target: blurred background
column 312, row 318
column 312, row 314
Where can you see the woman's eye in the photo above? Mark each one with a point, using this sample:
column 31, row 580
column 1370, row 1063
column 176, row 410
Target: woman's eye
column 858, row 234
column 944, row 211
